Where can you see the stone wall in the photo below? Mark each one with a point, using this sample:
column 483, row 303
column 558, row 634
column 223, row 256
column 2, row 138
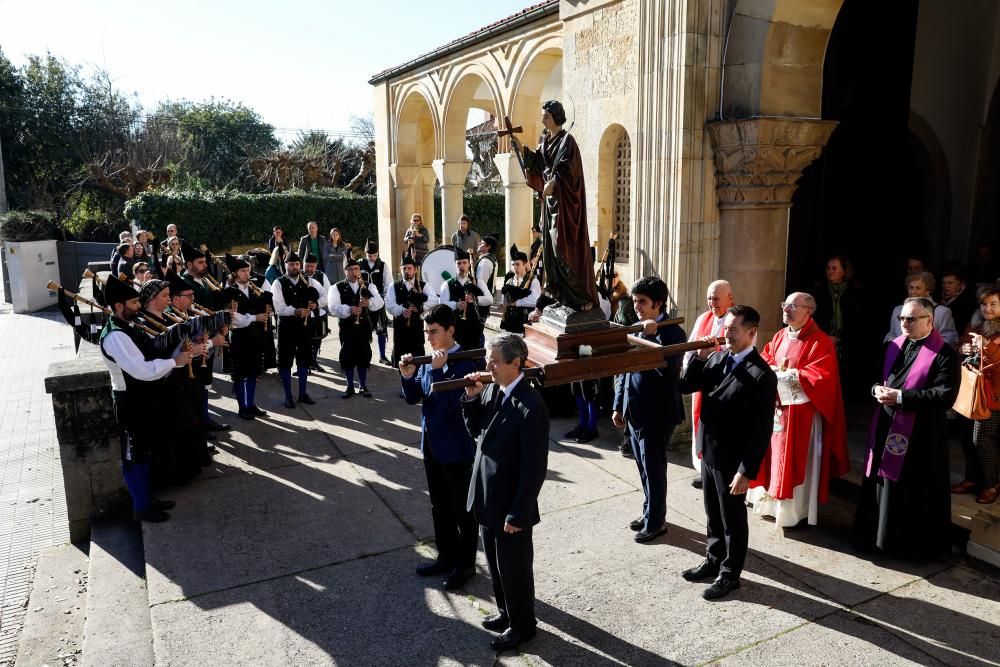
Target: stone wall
column 89, row 450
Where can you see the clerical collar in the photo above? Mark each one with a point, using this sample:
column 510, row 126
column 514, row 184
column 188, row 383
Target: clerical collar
column 794, row 334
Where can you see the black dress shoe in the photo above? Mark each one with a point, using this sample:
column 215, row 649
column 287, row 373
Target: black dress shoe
column 432, row 568
column 636, row 524
column 246, row 414
column 306, row 399
column 644, row 536
column 364, row 392
column 574, row 432
column 511, row 639
column 721, row 587
column 257, row 412
column 385, row 362
column 703, row 571
column 316, row 368
column 150, row 515
column 213, row 425
column 161, row 505
column 496, row 622
column 626, row 451
column 457, row 578
column 289, row 403
column 586, row 436
column 211, row 449
column 349, row 393
column 696, row 482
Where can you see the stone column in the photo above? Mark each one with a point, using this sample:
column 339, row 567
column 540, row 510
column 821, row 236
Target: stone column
column 758, row 162
column 404, row 180
column 451, row 176
column 518, row 200
column 426, row 208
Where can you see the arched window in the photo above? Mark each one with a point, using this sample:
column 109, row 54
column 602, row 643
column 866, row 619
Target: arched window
column 623, row 183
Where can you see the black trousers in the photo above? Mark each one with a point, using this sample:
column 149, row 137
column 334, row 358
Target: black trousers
column 511, row 557
column 728, row 532
column 455, row 529
column 294, row 343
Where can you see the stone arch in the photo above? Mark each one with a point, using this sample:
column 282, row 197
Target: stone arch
column 416, row 145
column 774, row 55
column 475, row 88
column 529, row 85
column 614, row 187
column 932, row 162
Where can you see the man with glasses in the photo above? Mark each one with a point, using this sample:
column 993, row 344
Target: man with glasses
column 905, row 506
column 809, row 436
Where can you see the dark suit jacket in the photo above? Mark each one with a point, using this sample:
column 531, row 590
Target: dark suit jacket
column 737, row 410
column 963, row 307
column 649, row 399
column 512, row 455
column 304, row 249
column 442, row 428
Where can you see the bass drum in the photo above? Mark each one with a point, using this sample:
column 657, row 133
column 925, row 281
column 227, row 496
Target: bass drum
column 438, row 266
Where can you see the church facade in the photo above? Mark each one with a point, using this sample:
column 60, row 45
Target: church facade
column 741, row 139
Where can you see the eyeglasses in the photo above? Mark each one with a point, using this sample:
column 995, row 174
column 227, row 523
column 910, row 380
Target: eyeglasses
column 792, row 306
column 910, row 319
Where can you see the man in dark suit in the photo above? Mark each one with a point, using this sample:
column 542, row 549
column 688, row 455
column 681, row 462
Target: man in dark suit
column 511, row 425
column 737, row 415
column 314, row 243
column 648, row 405
column 448, row 449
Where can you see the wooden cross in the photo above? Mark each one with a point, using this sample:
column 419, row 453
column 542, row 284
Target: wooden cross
column 509, row 131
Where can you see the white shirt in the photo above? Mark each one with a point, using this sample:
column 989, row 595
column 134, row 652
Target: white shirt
column 323, row 296
column 486, row 268
column 509, row 389
column 737, row 358
column 342, row 310
column 129, row 359
column 386, row 276
column 281, row 309
column 445, row 295
column 396, row 310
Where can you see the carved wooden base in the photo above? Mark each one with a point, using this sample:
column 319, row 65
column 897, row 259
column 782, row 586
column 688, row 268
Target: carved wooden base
column 613, row 352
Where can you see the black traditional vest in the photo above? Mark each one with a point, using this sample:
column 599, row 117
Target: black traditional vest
column 136, row 388
column 296, row 293
column 203, row 296
column 493, row 273
column 319, row 277
column 376, row 275
column 402, row 293
column 349, row 298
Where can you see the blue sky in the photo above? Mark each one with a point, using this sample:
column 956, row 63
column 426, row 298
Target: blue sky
column 300, row 64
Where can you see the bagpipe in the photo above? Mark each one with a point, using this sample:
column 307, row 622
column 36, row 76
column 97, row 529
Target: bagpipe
column 471, row 289
column 415, row 297
column 605, row 275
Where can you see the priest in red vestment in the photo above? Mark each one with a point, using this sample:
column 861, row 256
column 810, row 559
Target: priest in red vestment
column 719, row 297
column 809, row 440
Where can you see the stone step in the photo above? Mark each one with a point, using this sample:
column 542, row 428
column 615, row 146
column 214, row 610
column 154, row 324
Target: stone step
column 117, row 629
column 53, row 625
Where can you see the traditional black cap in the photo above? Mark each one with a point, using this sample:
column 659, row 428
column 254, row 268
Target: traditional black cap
column 407, row 259
column 517, row 255
column 371, row 247
column 190, row 252
column 311, row 259
column 115, row 291
column 176, row 284
column 351, row 262
column 150, row 289
column 292, row 257
column 236, row 263
column 491, row 241
column 461, row 254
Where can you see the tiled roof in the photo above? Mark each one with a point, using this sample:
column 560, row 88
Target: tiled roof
column 523, row 17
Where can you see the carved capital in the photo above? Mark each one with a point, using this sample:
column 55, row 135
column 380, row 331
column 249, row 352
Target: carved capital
column 758, row 161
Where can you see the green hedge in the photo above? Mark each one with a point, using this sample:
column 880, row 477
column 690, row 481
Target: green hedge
column 224, row 219
column 227, row 219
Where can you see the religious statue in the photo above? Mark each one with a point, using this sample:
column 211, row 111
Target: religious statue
column 555, row 171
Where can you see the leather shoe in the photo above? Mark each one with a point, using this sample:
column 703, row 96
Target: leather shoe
column 457, row 578
column 702, row 571
column 496, row 622
column 573, row 432
column 306, row 399
column 364, row 392
column 289, row 403
column 349, row 393
column 636, row 524
column 246, row 414
column 626, row 451
column 964, row 487
column 213, row 425
column 720, row 588
column 696, row 483
column 150, row 515
column 988, row 495
column 385, row 362
column 511, row 639
column 158, row 504
column 432, row 568
column 586, row 436
column 257, row 412
column 644, row 536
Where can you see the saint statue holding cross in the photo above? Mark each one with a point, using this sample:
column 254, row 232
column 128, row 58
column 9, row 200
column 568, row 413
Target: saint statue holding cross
column 555, row 171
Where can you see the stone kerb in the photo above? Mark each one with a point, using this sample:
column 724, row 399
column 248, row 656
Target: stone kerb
column 89, row 449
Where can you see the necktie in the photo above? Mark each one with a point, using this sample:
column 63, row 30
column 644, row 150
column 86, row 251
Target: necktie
column 730, row 362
